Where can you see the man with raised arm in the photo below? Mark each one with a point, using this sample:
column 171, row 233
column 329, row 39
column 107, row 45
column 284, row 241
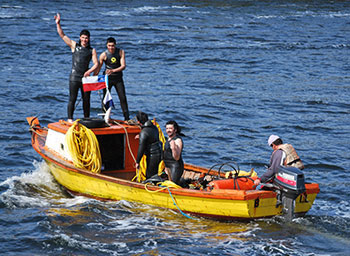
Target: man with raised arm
column 82, row 53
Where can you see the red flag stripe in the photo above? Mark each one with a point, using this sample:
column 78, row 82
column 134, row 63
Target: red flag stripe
column 94, row 86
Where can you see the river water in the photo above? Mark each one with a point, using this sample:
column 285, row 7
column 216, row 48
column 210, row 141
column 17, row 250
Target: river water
column 230, row 72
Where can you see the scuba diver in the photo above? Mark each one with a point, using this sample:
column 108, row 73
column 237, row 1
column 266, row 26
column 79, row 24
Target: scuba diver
column 149, row 145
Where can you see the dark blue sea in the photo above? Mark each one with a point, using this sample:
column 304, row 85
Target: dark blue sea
column 229, row 72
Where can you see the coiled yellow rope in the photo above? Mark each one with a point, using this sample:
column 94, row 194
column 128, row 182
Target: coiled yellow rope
column 164, row 185
column 83, row 147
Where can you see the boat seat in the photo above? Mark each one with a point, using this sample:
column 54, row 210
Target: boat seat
column 239, row 183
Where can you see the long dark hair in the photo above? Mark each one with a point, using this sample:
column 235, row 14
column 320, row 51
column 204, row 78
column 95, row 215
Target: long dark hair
column 176, row 127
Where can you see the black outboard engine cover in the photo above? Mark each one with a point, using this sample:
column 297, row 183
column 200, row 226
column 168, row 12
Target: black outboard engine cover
column 290, row 181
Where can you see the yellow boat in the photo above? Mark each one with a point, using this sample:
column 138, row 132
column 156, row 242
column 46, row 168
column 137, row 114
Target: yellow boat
column 209, row 194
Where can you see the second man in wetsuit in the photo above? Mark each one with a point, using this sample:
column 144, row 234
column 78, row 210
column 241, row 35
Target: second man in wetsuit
column 114, row 59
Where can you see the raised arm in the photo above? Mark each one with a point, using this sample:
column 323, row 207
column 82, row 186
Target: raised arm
column 65, row 38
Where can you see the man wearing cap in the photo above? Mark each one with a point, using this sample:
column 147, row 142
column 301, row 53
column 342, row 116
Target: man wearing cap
column 277, row 159
column 283, row 154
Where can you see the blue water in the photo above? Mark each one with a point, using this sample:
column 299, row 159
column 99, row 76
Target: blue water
column 230, row 72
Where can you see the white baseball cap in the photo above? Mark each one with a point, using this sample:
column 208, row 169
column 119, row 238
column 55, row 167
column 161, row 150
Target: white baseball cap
column 272, row 139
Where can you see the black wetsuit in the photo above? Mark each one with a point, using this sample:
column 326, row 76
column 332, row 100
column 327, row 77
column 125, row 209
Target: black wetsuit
column 150, row 146
column 80, row 64
column 176, row 167
column 116, row 79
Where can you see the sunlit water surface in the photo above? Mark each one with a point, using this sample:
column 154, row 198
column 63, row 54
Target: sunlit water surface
column 230, row 72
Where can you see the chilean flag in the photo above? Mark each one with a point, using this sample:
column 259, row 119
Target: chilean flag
column 93, row 83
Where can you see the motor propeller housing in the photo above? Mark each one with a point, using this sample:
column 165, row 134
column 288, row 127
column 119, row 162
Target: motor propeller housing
column 290, row 183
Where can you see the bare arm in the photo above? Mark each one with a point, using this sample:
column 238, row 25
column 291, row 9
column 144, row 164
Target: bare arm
column 176, row 148
column 122, row 64
column 60, row 32
column 102, row 58
column 94, row 60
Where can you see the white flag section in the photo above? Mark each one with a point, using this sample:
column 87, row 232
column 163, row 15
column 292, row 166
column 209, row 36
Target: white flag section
column 107, row 115
column 108, row 104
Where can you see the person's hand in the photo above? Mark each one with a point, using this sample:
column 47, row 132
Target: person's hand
column 87, row 74
column 137, row 136
column 109, row 71
column 137, row 166
column 257, row 182
column 57, row 18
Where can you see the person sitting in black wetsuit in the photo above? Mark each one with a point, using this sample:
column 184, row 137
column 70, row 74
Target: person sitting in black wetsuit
column 174, row 165
column 149, row 145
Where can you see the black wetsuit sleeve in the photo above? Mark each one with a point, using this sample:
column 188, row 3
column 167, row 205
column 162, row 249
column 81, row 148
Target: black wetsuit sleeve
column 142, row 146
column 275, row 162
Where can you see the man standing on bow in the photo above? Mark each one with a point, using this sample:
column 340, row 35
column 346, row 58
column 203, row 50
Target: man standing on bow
column 114, row 59
column 82, row 53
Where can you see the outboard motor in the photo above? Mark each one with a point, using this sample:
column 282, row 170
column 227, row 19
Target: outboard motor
column 291, row 183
